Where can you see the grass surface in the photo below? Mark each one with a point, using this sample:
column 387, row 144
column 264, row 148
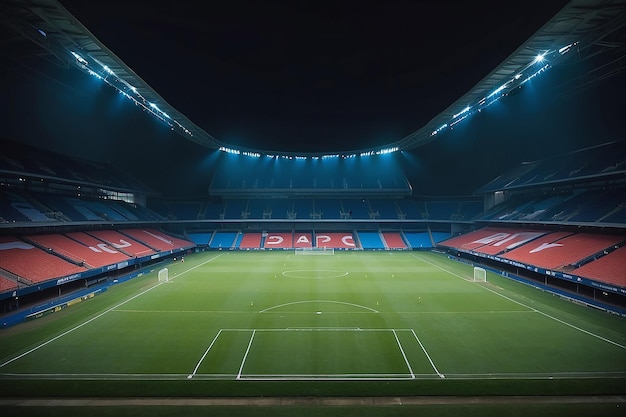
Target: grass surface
column 351, row 324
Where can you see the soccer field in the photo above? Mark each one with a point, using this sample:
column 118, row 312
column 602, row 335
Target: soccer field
column 352, row 316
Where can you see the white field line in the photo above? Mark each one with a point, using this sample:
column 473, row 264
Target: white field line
column 336, row 377
column 531, row 308
column 243, row 361
column 96, row 317
column 318, row 301
column 408, row 365
column 206, row 352
column 428, row 356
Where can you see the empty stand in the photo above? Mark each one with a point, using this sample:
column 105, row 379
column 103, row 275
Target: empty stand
column 223, row 240
column 122, row 243
column 610, row 268
column 33, row 264
column 370, row 240
column 279, row 240
column 157, row 240
column 336, row 240
column 250, row 241
column 93, row 256
column 393, row 240
column 418, row 240
column 560, row 250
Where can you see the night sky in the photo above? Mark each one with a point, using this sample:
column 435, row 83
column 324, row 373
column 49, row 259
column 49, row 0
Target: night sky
column 312, row 76
column 309, row 76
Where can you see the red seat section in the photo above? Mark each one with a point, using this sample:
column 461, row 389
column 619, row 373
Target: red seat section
column 506, row 240
column 26, row 261
column 7, row 284
column 251, row 241
column 556, row 251
column 610, row 268
column 394, row 240
column 95, row 256
column 302, row 240
column 335, row 240
column 157, row 240
column 477, row 238
column 122, row 242
column 278, row 241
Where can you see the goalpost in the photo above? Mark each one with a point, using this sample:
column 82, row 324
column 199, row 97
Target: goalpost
column 480, row 275
column 164, row 275
column 315, row 251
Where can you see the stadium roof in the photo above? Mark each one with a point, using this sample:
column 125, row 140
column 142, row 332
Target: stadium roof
column 582, row 29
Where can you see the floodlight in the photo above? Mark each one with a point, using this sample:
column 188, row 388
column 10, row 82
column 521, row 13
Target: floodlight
column 539, row 57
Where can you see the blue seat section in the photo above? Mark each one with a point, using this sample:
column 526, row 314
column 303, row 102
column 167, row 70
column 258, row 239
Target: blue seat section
column 357, row 208
column 185, row 210
column 224, row 240
column 370, row 240
column 201, row 239
column 256, row 208
column 123, row 209
column 384, row 208
column 236, row 209
column 267, row 174
column 418, row 240
column 470, row 210
column 605, row 160
column 410, row 209
column 440, row 236
column 328, row 208
column 442, row 210
column 20, row 207
column 303, row 208
column 278, row 208
column 238, row 240
column 214, row 210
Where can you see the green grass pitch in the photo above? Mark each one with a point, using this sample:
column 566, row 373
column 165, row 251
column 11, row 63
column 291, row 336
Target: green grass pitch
column 392, row 321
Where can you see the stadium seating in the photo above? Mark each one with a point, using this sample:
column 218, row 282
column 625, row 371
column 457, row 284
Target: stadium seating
column 418, row 240
column 250, row 241
column 336, row 240
column 157, row 240
column 223, row 240
column 122, row 243
column 370, row 240
column 278, row 240
column 563, row 252
column 610, row 268
column 93, row 256
column 393, row 240
column 31, row 263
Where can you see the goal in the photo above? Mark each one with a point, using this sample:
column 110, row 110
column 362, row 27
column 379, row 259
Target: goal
column 315, row 251
column 163, row 275
column 480, row 275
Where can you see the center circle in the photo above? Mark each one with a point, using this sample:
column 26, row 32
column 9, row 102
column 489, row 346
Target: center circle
column 315, row 273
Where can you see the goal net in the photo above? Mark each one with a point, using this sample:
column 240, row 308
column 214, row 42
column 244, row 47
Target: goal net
column 480, row 275
column 315, row 251
column 163, row 275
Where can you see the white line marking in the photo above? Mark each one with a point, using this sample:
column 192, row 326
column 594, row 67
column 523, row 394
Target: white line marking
column 94, row 318
column 427, row 355
column 243, row 361
column 204, row 356
column 531, row 308
column 403, row 354
column 318, row 301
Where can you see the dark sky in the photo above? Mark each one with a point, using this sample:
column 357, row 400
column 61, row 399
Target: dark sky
column 312, row 76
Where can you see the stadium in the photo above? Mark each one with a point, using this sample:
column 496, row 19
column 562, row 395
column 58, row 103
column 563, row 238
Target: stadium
column 307, row 221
